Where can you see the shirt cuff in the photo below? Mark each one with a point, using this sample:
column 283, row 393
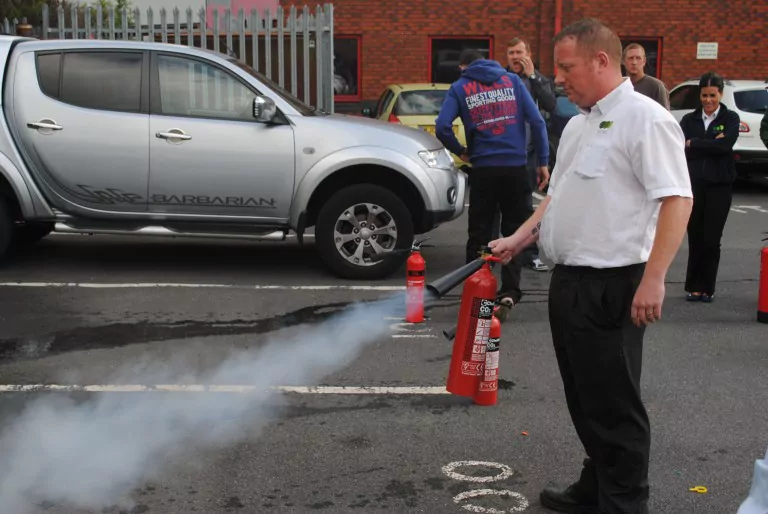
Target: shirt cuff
column 663, row 192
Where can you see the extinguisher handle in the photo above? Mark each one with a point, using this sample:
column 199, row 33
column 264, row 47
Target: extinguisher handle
column 419, row 244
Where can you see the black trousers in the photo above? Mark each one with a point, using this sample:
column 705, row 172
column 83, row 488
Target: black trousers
column 492, row 190
column 711, row 205
column 599, row 352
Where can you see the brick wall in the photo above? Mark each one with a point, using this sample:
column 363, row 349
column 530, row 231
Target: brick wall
column 396, row 45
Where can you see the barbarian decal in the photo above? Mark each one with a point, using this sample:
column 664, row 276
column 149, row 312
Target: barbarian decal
column 214, row 201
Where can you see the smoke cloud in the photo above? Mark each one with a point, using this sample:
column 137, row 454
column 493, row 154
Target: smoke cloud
column 91, row 452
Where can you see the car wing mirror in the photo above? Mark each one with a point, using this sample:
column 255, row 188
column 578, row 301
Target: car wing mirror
column 264, row 109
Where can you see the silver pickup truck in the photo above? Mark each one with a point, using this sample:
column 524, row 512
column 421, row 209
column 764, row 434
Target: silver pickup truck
column 138, row 138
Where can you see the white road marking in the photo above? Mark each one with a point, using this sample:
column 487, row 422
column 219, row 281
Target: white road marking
column 520, row 507
column 141, row 285
column 738, row 210
column 416, row 336
column 163, row 388
column 506, row 471
column 757, row 208
column 538, row 196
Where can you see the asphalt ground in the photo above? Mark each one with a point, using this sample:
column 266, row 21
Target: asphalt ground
column 247, row 315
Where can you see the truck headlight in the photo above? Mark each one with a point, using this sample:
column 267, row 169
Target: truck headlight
column 437, row 158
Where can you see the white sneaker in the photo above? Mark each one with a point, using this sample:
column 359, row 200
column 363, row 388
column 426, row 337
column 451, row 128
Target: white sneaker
column 537, row 265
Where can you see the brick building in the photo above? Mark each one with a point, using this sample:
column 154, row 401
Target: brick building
column 379, row 42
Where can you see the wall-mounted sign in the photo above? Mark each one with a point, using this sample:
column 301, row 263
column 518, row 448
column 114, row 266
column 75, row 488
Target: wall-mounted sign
column 706, row 51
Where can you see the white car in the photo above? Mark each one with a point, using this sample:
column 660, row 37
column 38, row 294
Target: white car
column 749, row 98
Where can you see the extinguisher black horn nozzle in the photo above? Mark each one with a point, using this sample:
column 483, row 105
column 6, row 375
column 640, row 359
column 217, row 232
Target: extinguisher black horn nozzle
column 450, row 334
column 442, row 285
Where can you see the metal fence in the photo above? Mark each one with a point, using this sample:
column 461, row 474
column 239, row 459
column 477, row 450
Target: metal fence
column 291, row 47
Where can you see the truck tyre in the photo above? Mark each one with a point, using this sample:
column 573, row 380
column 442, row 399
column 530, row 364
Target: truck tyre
column 356, row 222
column 31, row 233
column 6, row 227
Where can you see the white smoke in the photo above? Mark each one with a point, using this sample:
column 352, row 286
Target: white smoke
column 92, row 453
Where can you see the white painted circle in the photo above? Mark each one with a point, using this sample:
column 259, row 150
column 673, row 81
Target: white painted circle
column 522, row 502
column 506, row 471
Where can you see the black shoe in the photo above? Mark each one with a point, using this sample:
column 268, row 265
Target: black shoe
column 571, row 500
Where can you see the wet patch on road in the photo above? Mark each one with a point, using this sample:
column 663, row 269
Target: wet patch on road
column 115, row 335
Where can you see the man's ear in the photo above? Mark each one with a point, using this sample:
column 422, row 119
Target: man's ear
column 602, row 59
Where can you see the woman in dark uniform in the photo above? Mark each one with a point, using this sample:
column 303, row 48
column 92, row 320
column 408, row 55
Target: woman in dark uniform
column 710, row 133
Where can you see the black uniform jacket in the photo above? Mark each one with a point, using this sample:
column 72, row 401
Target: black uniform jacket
column 710, row 159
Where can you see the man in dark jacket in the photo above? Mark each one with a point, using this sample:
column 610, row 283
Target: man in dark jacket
column 519, row 62
column 495, row 107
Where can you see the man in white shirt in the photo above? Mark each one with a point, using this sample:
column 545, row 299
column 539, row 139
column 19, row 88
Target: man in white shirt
column 613, row 220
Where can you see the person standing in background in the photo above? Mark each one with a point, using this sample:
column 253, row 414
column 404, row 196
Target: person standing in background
column 710, row 133
column 519, row 61
column 764, row 129
column 495, row 107
column 634, row 62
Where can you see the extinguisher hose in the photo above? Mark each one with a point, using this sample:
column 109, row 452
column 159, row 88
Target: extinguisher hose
column 442, row 285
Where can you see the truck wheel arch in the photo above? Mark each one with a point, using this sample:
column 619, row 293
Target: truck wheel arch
column 14, row 191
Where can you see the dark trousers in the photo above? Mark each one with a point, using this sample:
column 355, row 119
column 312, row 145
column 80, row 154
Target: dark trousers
column 711, row 205
column 492, row 190
column 599, row 352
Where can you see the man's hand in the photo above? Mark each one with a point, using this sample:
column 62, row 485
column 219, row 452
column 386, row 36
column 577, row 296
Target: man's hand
column 527, row 64
column 542, row 173
column 506, row 247
column 646, row 306
column 464, row 157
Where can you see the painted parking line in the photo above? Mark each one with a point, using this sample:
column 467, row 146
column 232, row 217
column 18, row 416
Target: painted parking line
column 147, row 285
column 237, row 389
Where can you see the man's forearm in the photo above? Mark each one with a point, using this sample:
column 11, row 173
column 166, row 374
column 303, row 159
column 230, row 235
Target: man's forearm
column 670, row 230
column 529, row 231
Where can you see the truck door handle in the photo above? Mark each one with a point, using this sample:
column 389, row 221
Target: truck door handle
column 174, row 134
column 44, row 124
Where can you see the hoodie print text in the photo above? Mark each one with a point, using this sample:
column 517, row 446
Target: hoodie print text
column 491, row 107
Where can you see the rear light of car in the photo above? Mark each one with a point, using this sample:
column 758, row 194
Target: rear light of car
column 743, row 127
column 393, row 119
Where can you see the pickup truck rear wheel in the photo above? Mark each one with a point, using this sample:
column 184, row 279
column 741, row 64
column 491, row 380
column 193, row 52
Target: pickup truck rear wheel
column 360, row 222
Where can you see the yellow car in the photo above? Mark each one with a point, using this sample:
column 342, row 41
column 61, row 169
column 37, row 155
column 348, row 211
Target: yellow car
column 417, row 106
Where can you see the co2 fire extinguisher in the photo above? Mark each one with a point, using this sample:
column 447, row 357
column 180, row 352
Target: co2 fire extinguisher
column 487, row 391
column 472, row 331
column 414, row 285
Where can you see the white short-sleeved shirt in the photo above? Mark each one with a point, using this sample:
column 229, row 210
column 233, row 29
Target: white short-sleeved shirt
column 614, row 165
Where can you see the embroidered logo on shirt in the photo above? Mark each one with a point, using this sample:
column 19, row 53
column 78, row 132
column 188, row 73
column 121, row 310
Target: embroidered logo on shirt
column 605, row 125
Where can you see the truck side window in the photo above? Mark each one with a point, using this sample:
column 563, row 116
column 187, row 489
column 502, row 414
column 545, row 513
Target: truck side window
column 192, row 88
column 48, row 73
column 109, row 81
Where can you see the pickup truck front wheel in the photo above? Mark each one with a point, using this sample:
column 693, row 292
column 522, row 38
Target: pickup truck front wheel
column 360, row 224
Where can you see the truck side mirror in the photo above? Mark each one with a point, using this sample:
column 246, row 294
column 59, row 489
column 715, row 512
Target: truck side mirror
column 264, row 109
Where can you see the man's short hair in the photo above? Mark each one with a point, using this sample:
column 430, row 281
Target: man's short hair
column 516, row 41
column 469, row 56
column 592, row 36
column 633, row 46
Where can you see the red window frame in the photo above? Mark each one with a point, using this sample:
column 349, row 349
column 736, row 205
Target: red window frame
column 658, row 39
column 458, row 38
column 359, row 96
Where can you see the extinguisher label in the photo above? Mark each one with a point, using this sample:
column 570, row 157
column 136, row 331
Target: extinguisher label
column 478, row 332
column 416, row 273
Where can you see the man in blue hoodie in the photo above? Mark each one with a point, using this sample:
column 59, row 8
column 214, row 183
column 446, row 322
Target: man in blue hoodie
column 494, row 106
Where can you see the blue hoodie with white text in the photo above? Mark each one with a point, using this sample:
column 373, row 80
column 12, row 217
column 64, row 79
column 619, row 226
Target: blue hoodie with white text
column 493, row 105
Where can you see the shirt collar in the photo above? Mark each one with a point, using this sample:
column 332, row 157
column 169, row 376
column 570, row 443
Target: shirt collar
column 714, row 114
column 606, row 103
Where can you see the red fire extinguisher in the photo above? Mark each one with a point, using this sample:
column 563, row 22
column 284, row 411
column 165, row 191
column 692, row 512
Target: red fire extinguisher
column 414, row 284
column 762, row 299
column 487, row 391
column 472, row 331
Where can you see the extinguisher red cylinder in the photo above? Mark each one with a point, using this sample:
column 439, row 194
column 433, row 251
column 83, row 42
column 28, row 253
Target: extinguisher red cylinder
column 414, row 288
column 472, row 333
column 762, row 299
column 487, row 391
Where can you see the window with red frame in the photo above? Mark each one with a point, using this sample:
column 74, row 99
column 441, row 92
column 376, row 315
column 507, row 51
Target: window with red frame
column 346, row 68
column 445, row 52
column 652, row 47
